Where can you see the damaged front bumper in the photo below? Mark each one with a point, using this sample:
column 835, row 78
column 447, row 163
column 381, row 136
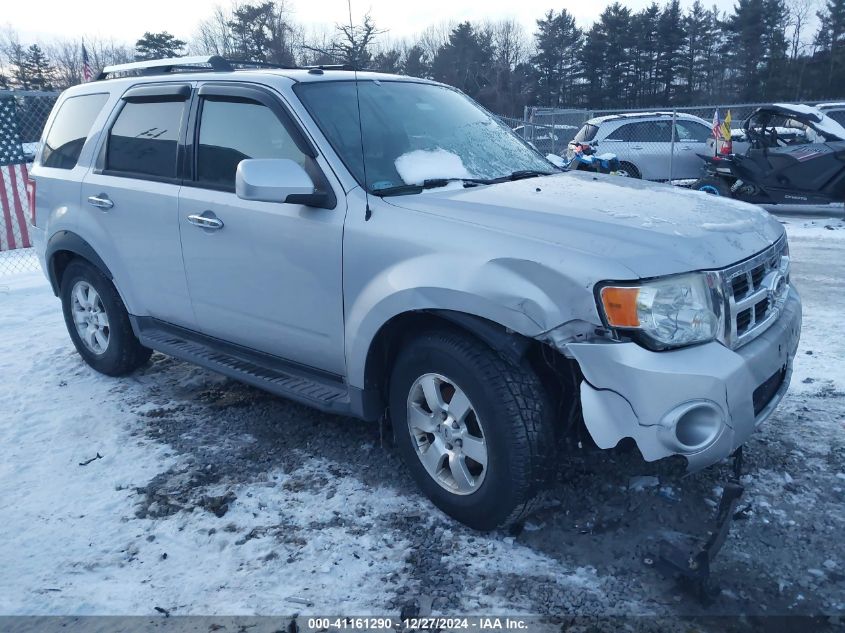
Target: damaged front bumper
column 701, row 402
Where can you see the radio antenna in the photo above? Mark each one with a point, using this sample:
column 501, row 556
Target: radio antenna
column 354, row 49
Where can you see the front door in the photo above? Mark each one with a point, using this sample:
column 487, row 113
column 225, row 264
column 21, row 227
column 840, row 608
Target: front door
column 269, row 276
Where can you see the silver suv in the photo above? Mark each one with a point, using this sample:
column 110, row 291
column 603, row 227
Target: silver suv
column 643, row 143
column 381, row 247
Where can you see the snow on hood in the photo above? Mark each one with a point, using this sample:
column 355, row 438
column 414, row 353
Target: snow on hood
column 652, row 229
column 420, row 165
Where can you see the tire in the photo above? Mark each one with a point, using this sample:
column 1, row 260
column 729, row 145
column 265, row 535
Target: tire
column 507, row 408
column 630, row 170
column 712, row 185
column 115, row 351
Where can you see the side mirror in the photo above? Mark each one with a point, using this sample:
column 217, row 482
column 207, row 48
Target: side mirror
column 276, row 180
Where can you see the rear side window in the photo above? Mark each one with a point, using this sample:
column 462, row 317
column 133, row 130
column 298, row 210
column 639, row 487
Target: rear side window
column 234, row 130
column 586, row 134
column 645, row 132
column 144, row 139
column 70, row 130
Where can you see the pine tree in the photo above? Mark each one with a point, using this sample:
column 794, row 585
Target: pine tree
column 831, row 40
column 644, row 55
column 697, row 31
column 40, row 73
column 158, row 46
column 775, row 83
column 465, row 60
column 670, row 42
column 388, row 61
column 558, row 42
column 416, row 63
column 747, row 29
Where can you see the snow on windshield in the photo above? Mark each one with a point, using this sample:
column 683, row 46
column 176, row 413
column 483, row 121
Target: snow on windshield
column 419, row 165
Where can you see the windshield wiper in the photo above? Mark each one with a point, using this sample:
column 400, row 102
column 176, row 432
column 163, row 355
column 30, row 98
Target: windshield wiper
column 521, row 174
column 430, row 183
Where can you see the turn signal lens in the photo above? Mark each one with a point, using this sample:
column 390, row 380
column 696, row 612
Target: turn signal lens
column 620, row 306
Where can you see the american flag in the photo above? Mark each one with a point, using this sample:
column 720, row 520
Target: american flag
column 87, row 73
column 14, row 207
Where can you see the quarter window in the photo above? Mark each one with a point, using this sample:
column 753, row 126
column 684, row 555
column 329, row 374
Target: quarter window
column 234, row 130
column 70, row 130
column 143, row 140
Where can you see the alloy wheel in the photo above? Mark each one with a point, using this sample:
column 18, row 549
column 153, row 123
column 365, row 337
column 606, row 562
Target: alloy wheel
column 90, row 317
column 447, row 434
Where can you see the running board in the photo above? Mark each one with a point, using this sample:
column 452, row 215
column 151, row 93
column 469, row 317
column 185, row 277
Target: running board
column 312, row 387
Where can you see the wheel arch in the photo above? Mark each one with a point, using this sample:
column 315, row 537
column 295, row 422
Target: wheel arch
column 65, row 246
column 558, row 375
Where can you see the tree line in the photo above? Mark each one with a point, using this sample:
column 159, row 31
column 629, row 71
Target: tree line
column 762, row 50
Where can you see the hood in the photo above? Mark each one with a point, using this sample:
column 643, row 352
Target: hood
column 650, row 228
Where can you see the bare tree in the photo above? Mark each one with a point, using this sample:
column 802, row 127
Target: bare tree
column 214, row 35
column 352, row 43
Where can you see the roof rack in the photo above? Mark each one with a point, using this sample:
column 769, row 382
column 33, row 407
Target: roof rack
column 196, row 63
column 333, row 67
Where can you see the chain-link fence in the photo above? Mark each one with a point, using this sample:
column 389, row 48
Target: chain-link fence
column 653, row 143
column 23, row 114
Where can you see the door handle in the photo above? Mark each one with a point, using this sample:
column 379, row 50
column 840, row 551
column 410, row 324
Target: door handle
column 101, row 201
column 636, row 147
column 206, row 220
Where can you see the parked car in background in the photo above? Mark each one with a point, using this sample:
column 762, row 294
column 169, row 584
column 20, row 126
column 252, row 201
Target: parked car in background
column 546, row 139
column 835, row 111
column 643, row 143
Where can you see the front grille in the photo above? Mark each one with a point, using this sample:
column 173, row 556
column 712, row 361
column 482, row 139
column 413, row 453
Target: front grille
column 764, row 393
column 755, row 291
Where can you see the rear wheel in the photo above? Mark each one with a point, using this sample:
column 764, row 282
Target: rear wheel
column 97, row 321
column 713, row 185
column 471, row 427
column 629, row 169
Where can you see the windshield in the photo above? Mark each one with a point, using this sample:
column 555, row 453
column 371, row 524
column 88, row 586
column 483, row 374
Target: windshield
column 414, row 133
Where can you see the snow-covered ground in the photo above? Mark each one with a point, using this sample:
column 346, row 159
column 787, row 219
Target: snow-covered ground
column 178, row 489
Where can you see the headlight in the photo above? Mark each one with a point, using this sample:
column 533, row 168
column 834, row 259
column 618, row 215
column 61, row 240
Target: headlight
column 668, row 312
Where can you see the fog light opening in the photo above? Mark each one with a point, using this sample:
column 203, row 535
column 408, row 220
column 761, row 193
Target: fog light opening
column 698, row 426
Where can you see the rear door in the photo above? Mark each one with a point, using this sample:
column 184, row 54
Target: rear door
column 270, row 278
column 133, row 194
column 691, row 140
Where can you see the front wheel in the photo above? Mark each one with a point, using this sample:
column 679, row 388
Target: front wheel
column 713, row 185
column 471, row 426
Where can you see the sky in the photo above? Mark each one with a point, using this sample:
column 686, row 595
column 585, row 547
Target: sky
column 125, row 21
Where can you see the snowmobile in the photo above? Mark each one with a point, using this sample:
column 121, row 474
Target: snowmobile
column 808, row 169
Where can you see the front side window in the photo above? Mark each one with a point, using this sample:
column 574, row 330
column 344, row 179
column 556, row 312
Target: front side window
column 70, row 130
column 413, row 133
column 144, row 139
column 234, row 130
